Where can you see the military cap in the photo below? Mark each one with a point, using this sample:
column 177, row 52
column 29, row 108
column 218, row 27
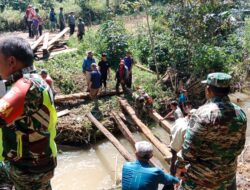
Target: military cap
column 220, row 80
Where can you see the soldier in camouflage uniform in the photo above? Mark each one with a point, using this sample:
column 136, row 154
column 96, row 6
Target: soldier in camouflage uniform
column 214, row 139
column 27, row 121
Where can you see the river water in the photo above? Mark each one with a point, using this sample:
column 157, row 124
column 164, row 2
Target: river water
column 96, row 168
column 100, row 166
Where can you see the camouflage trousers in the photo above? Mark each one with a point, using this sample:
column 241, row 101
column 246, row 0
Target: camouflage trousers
column 28, row 181
column 5, row 183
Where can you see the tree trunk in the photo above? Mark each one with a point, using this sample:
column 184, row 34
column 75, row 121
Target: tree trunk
column 111, row 138
column 146, row 131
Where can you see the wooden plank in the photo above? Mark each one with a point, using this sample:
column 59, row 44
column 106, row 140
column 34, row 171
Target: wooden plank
column 63, row 113
column 84, row 95
column 129, row 136
column 57, row 37
column 111, row 138
column 45, row 42
column 37, row 42
column 163, row 123
column 144, row 68
column 146, row 131
column 53, row 54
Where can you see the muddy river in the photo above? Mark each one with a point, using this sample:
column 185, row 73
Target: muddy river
column 100, row 166
column 96, row 168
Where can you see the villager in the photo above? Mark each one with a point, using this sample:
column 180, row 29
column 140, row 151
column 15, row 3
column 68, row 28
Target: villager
column 95, row 81
column 81, row 29
column 121, row 76
column 215, row 137
column 86, row 67
column 40, row 24
column 182, row 99
column 35, row 26
column 29, row 14
column 27, row 120
column 46, row 77
column 52, row 19
column 176, row 112
column 104, row 68
column 129, row 62
column 61, row 19
column 140, row 175
column 72, row 23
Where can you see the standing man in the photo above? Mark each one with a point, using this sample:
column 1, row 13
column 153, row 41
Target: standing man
column 214, row 139
column 52, row 19
column 27, row 120
column 86, row 67
column 40, row 24
column 95, row 82
column 61, row 19
column 104, row 68
column 81, row 29
column 72, row 23
column 129, row 62
column 139, row 175
column 121, row 77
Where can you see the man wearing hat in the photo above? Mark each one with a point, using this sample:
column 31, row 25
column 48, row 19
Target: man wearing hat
column 215, row 137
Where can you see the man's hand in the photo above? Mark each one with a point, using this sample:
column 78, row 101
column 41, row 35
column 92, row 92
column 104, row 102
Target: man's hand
column 180, row 173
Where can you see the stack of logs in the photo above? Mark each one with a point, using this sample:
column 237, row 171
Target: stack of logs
column 49, row 45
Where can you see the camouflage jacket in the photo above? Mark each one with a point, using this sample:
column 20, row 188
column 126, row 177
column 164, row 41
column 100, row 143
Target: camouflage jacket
column 29, row 133
column 214, row 138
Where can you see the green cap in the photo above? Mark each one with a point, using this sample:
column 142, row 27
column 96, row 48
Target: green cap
column 220, row 80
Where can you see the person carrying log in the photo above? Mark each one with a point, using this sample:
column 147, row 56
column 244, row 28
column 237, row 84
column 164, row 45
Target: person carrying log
column 140, row 174
column 27, row 120
column 214, row 138
column 104, row 68
column 121, row 77
column 86, row 67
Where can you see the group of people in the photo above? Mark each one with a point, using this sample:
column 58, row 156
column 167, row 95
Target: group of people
column 205, row 145
column 97, row 75
column 35, row 22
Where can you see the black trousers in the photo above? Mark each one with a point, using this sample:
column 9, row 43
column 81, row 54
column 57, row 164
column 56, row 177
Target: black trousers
column 80, row 35
column 129, row 80
column 40, row 30
column 118, row 83
column 31, row 35
column 72, row 29
column 104, row 79
column 62, row 26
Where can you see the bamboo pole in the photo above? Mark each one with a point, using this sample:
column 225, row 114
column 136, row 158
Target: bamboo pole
column 129, row 136
column 111, row 138
column 145, row 130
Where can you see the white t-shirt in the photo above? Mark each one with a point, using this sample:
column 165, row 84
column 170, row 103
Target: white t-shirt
column 2, row 88
column 178, row 132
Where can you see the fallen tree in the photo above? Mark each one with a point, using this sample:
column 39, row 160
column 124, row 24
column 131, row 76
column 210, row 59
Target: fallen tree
column 145, row 130
column 111, row 138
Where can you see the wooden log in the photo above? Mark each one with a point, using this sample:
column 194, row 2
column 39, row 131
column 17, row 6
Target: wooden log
column 129, row 136
column 53, row 54
column 144, row 68
column 111, row 138
column 84, row 95
column 63, row 113
column 57, row 37
column 37, row 42
column 163, row 123
column 45, row 43
column 146, row 131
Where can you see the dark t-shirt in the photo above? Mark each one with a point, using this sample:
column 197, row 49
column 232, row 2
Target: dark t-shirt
column 95, row 79
column 104, row 66
column 129, row 62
